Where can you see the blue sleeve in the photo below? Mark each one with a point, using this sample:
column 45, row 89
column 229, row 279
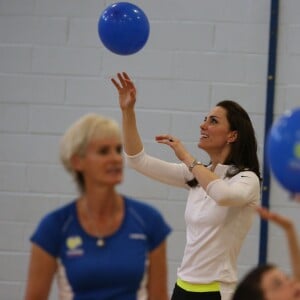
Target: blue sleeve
column 47, row 234
column 158, row 229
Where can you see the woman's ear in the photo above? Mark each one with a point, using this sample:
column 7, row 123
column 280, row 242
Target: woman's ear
column 232, row 137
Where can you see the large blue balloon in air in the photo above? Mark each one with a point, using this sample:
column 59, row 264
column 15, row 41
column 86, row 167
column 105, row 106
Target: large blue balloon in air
column 283, row 150
column 123, row 28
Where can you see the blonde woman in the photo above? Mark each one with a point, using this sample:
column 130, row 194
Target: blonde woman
column 102, row 245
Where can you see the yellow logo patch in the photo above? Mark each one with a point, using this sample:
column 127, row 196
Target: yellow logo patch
column 74, row 242
column 297, row 150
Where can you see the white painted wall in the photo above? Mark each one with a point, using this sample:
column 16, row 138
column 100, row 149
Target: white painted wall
column 53, row 69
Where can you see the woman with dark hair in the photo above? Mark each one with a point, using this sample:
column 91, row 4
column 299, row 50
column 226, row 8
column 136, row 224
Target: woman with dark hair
column 267, row 282
column 250, row 287
column 243, row 154
column 219, row 208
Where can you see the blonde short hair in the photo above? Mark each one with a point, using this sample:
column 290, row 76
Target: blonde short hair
column 80, row 133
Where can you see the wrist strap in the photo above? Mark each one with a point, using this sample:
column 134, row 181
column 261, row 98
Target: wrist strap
column 193, row 164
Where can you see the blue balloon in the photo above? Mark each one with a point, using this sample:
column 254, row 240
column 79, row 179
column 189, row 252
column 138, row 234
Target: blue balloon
column 283, row 150
column 123, row 28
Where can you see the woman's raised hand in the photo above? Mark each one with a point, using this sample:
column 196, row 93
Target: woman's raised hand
column 179, row 149
column 126, row 90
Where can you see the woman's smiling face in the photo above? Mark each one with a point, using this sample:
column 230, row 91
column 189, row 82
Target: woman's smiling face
column 215, row 131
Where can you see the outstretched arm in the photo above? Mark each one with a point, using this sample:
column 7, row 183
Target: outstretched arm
column 132, row 140
column 203, row 175
column 127, row 98
column 291, row 234
column 162, row 171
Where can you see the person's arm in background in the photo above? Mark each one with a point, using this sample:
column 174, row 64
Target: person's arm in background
column 42, row 268
column 158, row 277
column 288, row 226
column 127, row 98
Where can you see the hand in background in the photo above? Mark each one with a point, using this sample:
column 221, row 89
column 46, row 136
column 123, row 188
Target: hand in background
column 126, row 89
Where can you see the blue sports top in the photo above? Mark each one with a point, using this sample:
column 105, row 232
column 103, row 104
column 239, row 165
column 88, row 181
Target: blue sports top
column 114, row 271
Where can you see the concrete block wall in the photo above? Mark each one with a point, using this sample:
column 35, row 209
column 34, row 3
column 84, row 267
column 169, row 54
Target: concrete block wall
column 53, row 69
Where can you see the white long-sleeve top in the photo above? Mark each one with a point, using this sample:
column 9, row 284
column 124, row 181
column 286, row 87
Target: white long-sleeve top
column 217, row 220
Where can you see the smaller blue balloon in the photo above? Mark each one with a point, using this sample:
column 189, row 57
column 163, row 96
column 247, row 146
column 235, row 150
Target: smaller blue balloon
column 123, row 28
column 283, row 150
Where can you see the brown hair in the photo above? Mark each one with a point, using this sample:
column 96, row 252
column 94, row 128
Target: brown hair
column 249, row 287
column 243, row 154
